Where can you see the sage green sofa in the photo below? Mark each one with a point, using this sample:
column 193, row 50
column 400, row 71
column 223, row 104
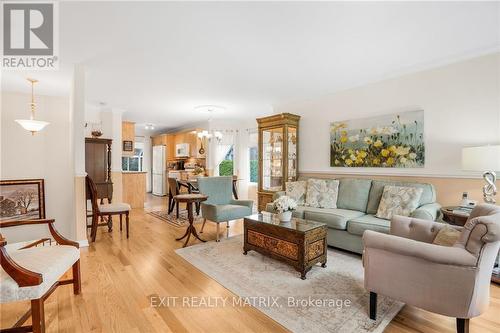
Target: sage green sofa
column 357, row 205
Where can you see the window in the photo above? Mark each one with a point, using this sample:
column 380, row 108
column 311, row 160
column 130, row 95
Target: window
column 254, row 164
column 135, row 162
column 253, row 157
column 226, row 167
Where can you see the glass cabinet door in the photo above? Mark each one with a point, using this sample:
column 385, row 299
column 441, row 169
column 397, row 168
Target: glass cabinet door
column 292, row 154
column 272, row 159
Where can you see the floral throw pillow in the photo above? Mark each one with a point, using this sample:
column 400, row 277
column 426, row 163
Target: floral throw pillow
column 297, row 191
column 398, row 200
column 322, row 193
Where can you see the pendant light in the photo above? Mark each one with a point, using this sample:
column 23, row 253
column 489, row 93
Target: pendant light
column 31, row 124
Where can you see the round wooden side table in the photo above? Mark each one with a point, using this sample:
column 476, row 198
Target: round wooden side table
column 453, row 218
column 189, row 199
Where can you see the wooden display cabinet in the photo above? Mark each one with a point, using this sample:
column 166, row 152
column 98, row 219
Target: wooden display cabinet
column 278, row 155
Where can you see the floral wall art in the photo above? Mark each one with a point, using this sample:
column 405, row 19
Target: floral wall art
column 392, row 141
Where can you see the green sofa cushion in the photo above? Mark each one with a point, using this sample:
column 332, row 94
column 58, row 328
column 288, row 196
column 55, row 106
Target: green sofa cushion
column 353, row 194
column 357, row 226
column 298, row 213
column 332, row 217
column 377, row 188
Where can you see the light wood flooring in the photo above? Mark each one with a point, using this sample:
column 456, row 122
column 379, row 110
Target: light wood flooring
column 120, row 276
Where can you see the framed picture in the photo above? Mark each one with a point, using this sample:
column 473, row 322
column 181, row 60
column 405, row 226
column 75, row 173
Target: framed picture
column 128, row 145
column 388, row 141
column 22, row 200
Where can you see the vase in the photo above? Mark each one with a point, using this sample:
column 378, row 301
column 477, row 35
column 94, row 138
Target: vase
column 285, row 216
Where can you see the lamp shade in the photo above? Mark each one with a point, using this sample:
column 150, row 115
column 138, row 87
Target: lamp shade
column 482, row 158
column 32, row 125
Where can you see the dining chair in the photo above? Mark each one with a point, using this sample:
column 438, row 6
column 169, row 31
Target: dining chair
column 173, row 190
column 105, row 211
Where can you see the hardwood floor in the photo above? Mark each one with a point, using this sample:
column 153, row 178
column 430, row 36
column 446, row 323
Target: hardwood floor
column 119, row 277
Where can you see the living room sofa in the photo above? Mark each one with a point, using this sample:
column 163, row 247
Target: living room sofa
column 357, row 204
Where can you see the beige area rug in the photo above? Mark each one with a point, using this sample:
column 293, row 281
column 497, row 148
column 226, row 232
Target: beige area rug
column 255, row 275
column 182, row 221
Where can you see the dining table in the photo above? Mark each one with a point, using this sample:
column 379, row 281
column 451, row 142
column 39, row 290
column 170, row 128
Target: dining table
column 192, row 185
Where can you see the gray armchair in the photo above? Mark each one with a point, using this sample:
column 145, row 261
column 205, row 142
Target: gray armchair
column 220, row 206
column 452, row 281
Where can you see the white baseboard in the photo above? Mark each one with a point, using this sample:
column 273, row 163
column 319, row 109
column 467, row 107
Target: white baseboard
column 83, row 243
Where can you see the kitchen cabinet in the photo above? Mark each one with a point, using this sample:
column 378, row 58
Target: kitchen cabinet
column 128, row 134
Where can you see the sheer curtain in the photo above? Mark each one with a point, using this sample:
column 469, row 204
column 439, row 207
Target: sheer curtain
column 220, row 150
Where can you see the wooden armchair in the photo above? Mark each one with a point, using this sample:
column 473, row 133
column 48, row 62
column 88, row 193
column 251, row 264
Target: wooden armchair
column 33, row 273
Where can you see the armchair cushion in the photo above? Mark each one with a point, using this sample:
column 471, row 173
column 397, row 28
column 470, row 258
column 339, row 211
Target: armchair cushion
column 50, row 261
column 447, row 236
column 223, row 213
column 245, row 203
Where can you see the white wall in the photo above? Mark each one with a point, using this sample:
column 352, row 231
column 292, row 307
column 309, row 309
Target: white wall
column 48, row 155
column 461, row 104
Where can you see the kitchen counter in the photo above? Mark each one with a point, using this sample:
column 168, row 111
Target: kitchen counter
column 134, row 188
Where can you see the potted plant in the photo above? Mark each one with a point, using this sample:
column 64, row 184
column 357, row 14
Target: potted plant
column 284, row 206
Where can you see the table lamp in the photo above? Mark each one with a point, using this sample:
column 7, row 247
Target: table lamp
column 487, row 160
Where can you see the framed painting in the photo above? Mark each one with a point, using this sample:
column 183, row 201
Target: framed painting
column 22, row 200
column 389, row 141
column 128, row 145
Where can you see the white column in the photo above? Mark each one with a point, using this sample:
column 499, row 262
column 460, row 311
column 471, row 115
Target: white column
column 79, row 225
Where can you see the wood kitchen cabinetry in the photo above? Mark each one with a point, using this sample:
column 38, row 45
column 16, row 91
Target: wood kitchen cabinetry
column 172, row 139
column 128, row 134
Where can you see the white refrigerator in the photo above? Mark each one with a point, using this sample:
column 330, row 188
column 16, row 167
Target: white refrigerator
column 159, row 171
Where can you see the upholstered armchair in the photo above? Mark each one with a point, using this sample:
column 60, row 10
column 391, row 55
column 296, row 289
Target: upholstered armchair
column 31, row 272
column 220, row 206
column 452, row 281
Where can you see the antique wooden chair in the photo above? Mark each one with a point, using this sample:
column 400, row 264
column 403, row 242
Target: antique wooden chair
column 173, row 190
column 105, row 210
column 32, row 272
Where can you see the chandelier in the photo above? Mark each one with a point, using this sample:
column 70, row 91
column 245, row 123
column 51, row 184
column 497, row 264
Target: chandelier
column 31, row 124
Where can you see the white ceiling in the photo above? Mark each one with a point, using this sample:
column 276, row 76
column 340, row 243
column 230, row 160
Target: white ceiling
column 159, row 60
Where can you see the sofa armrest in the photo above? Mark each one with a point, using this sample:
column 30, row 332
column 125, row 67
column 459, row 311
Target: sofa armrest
column 408, row 247
column 247, row 203
column 428, row 212
column 278, row 194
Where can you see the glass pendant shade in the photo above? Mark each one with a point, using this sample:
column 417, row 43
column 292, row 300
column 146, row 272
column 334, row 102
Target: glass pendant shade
column 32, row 125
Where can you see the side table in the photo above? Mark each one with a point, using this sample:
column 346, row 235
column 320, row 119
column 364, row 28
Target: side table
column 189, row 199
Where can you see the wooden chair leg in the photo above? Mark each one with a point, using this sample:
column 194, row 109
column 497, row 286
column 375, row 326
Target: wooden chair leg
column 121, row 222
column 177, row 209
column 93, row 230
column 203, row 225
column 110, row 223
column 77, row 284
column 217, row 237
column 126, row 222
column 373, row 305
column 169, row 204
column 462, row 325
column 38, row 315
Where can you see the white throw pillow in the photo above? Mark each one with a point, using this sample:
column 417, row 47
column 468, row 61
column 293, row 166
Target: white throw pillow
column 398, row 200
column 297, row 191
column 322, row 193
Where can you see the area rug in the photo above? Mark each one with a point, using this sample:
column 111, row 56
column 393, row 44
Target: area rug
column 171, row 218
column 331, row 299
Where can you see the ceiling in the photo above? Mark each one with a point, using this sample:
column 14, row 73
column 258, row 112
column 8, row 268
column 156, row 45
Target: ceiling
column 158, row 60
